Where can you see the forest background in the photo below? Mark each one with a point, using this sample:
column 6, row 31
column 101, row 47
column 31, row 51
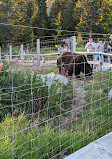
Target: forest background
column 23, row 20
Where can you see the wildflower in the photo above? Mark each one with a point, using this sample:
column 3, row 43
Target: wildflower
column 62, row 79
column 51, row 75
column 53, row 78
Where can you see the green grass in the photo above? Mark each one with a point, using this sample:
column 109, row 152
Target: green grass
column 80, row 49
column 44, row 142
column 47, row 139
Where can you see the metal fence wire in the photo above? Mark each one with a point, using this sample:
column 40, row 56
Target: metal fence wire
column 44, row 114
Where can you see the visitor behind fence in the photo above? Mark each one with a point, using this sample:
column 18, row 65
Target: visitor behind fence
column 60, row 49
column 110, row 49
column 67, row 42
column 90, row 46
column 106, row 58
column 110, row 45
column 99, row 48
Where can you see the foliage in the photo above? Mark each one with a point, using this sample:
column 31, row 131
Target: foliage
column 65, row 7
column 106, row 15
column 80, row 41
column 36, row 142
column 23, row 138
column 20, row 88
column 80, row 15
column 89, row 15
column 58, row 23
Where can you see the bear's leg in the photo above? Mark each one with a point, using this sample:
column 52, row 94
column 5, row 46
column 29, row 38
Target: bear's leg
column 70, row 69
column 77, row 71
column 70, row 73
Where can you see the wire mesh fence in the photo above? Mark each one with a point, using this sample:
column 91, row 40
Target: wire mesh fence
column 47, row 115
column 53, row 91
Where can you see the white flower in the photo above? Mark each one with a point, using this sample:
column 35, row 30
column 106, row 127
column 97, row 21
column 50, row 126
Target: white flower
column 43, row 78
column 62, row 79
column 52, row 78
column 51, row 75
column 49, row 83
column 58, row 90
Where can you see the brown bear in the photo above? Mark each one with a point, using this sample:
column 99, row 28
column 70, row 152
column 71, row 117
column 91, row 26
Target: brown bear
column 69, row 63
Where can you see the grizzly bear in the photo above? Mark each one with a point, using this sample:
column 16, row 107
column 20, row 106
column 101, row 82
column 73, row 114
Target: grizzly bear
column 69, row 63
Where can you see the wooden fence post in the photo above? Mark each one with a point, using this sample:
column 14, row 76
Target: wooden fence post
column 38, row 51
column 21, row 52
column 10, row 51
column 73, row 44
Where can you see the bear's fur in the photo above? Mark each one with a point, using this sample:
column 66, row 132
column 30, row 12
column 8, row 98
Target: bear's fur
column 73, row 63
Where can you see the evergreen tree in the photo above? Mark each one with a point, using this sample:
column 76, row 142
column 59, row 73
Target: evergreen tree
column 21, row 11
column 106, row 15
column 5, row 30
column 58, row 23
column 41, row 20
column 66, row 8
column 88, row 12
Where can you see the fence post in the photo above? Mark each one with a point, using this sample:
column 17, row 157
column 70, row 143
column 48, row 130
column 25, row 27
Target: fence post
column 0, row 53
column 73, row 44
column 38, row 51
column 100, row 62
column 10, row 51
column 21, row 52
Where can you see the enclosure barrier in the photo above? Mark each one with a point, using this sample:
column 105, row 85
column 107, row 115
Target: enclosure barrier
column 45, row 115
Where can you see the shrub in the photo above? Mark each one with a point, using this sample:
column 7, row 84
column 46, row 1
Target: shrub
column 25, row 91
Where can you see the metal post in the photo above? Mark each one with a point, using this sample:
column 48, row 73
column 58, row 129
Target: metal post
column 10, row 51
column 73, row 49
column 38, row 51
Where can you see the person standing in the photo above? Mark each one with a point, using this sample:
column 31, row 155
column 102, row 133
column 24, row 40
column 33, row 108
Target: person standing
column 105, row 51
column 110, row 45
column 67, row 42
column 99, row 49
column 60, row 49
column 90, row 46
column 110, row 48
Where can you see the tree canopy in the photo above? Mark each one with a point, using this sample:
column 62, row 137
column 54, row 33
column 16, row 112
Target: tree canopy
column 71, row 15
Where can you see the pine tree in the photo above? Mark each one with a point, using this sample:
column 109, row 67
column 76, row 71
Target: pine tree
column 21, row 12
column 106, row 15
column 58, row 23
column 89, row 15
column 41, row 19
column 5, row 30
column 66, row 8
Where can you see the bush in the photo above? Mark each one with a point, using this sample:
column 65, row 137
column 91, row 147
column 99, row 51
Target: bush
column 25, row 91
